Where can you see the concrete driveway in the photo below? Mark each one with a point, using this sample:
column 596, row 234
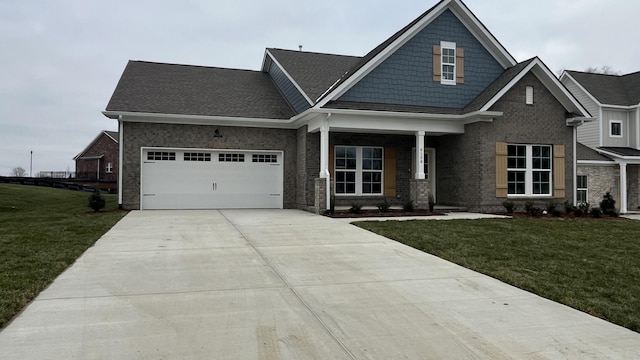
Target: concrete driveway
column 285, row 284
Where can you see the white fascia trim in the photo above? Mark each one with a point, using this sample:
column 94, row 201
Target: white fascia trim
column 203, row 120
column 289, row 77
column 396, row 114
column 596, row 162
column 548, row 79
column 566, row 74
column 109, row 136
column 481, row 33
column 455, row 5
column 620, row 158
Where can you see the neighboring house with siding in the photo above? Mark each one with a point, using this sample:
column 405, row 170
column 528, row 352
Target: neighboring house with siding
column 440, row 108
column 99, row 160
column 615, row 101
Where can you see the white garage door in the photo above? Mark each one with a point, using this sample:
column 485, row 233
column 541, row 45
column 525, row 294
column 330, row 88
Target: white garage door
column 210, row 179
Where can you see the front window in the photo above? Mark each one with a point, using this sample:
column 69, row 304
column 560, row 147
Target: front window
column 529, row 170
column 448, row 62
column 581, row 194
column 109, row 168
column 358, row 170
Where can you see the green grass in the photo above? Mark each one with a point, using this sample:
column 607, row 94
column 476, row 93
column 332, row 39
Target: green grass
column 590, row 265
column 42, row 232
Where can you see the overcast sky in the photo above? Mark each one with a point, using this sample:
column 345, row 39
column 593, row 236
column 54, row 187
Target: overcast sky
column 61, row 60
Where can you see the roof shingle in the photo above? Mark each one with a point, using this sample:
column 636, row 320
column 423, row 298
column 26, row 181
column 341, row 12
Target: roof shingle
column 197, row 90
column 611, row 89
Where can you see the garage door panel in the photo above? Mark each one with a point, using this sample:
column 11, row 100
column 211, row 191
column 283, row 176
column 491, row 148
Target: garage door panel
column 180, row 184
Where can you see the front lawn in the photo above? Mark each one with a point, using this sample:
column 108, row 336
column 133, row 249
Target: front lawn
column 590, row 265
column 42, row 232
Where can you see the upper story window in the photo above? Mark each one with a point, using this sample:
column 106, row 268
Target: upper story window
column 448, row 63
column 109, row 168
column 615, row 128
column 529, row 95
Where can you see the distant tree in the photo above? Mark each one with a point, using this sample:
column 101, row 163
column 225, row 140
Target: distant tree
column 605, row 69
column 18, row 172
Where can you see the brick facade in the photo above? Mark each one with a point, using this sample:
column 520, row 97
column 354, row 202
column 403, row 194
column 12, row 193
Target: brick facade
column 466, row 163
column 137, row 135
column 96, row 169
column 603, row 179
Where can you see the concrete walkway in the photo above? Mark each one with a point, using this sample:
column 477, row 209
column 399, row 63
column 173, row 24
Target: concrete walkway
column 285, row 284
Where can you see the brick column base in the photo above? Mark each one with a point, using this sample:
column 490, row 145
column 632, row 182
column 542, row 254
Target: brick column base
column 419, row 193
column 320, row 200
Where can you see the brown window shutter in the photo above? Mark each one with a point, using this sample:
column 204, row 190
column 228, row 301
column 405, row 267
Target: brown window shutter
column 437, row 63
column 332, row 163
column 501, row 170
column 389, row 172
column 459, row 65
column 558, row 172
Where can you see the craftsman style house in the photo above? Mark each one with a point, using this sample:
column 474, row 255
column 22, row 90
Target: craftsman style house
column 440, row 108
column 611, row 161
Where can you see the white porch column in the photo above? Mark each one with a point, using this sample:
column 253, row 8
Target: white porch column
column 623, row 188
column 324, row 159
column 420, row 155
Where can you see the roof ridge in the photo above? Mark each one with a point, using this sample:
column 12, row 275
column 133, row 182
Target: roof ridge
column 190, row 65
column 314, row 52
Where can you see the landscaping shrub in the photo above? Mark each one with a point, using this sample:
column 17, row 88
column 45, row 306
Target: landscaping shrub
column 596, row 212
column 568, row 207
column 408, row 206
column 509, row 206
column 96, row 200
column 432, row 202
column 608, row 205
column 551, row 206
column 528, row 206
column 384, row 206
column 355, row 208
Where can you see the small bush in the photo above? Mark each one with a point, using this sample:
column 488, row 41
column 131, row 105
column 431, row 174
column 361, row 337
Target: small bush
column 509, row 206
column 551, row 206
column 528, row 206
column 408, row 206
column 596, row 212
column 568, row 207
column 578, row 212
column 584, row 207
column 355, row 208
column 432, row 202
column 96, row 200
column 608, row 205
column 384, row 206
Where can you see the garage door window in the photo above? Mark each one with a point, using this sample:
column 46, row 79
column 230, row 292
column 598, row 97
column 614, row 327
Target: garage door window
column 192, row 156
column 161, row 155
column 231, row 157
column 265, row 158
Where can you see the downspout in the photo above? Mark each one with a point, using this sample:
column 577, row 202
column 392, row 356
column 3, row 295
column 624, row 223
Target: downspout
column 575, row 166
column 327, row 174
column 120, row 156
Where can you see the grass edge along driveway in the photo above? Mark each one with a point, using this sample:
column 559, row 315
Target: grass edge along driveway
column 42, row 232
column 592, row 265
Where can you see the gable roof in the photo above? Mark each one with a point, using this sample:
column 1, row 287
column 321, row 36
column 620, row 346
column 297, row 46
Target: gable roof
column 113, row 135
column 623, row 90
column 389, row 46
column 148, row 87
column 313, row 72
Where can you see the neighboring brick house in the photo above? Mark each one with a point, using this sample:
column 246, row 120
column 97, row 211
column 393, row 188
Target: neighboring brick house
column 613, row 162
column 99, row 160
column 440, row 108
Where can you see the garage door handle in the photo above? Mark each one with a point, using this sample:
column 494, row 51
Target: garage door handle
column 215, row 186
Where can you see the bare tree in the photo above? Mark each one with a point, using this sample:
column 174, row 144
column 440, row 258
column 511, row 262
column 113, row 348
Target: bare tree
column 18, row 172
column 605, row 69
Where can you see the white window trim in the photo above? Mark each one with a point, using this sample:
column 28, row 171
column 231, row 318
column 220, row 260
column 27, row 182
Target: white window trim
column 109, row 168
column 358, row 171
column 585, row 189
column 529, row 95
column 529, row 170
column 611, row 122
column 447, row 45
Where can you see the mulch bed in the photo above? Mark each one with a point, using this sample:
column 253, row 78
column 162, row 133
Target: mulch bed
column 378, row 213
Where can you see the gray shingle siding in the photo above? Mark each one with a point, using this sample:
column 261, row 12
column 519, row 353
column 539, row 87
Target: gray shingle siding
column 406, row 77
column 293, row 96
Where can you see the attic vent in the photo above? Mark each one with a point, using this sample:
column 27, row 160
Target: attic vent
column 529, row 95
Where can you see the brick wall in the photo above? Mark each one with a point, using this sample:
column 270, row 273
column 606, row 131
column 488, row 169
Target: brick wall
column 88, row 168
column 466, row 163
column 600, row 179
column 137, row 135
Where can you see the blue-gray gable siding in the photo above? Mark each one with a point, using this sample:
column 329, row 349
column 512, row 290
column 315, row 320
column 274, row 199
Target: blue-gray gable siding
column 406, row 77
column 288, row 90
